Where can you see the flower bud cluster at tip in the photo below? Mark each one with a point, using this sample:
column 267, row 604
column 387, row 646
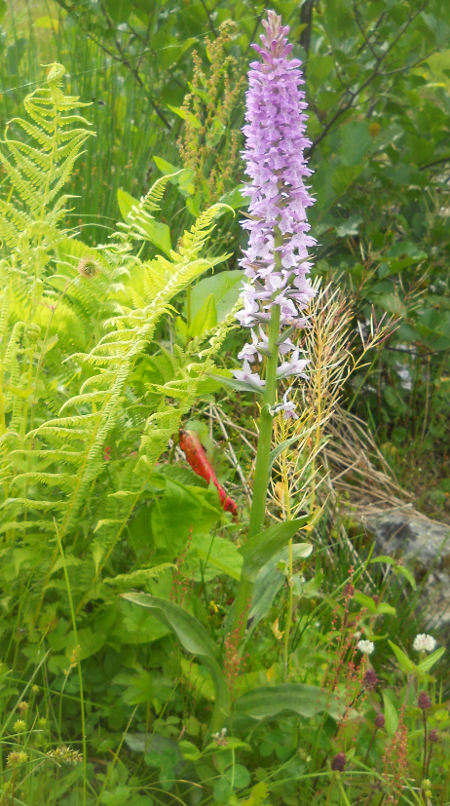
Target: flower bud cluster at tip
column 424, row 701
column 276, row 262
column 380, row 721
column 338, row 762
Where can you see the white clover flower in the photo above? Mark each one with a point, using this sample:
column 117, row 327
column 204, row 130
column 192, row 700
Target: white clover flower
column 424, row 643
column 366, row 647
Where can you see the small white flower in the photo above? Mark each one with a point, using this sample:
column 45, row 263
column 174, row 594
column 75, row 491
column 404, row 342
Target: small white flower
column 357, row 634
column 247, row 376
column 366, row 647
column 293, row 367
column 287, row 406
column 424, row 643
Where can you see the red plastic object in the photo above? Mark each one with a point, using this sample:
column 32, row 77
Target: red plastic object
column 196, row 457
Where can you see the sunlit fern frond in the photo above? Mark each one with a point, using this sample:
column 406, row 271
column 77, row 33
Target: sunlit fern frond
column 38, row 172
column 195, row 239
column 141, row 225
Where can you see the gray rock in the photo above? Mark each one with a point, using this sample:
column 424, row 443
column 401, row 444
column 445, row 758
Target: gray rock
column 422, row 542
column 424, row 545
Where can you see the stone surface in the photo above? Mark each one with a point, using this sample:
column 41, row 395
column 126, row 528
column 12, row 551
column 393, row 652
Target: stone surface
column 422, row 542
column 424, row 545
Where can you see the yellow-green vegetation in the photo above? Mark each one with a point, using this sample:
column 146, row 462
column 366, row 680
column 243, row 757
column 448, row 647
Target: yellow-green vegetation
column 126, row 677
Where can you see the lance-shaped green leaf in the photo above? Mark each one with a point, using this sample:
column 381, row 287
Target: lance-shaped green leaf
column 269, row 581
column 205, row 318
column 238, row 386
column 194, row 639
column 261, row 548
column 427, row 663
column 295, row 698
column 404, row 662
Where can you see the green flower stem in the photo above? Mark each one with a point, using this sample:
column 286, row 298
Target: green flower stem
column 261, row 480
column 287, row 626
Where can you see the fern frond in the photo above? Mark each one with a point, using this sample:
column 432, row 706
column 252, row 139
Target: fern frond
column 35, row 506
column 49, row 479
column 40, row 172
column 54, row 454
column 23, row 526
column 140, row 215
column 140, row 577
column 194, row 240
column 77, row 400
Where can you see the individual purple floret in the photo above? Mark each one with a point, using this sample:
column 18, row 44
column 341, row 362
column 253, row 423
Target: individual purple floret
column 276, row 262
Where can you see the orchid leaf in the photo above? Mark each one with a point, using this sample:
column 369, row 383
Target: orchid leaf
column 195, row 640
column 261, row 548
column 295, row 698
column 427, row 663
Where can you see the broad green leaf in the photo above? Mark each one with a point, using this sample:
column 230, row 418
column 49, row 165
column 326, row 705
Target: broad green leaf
column 217, row 552
column 89, row 642
column 193, row 204
column 235, row 199
column 135, row 626
column 404, row 662
column 156, row 232
column 183, row 177
column 235, row 777
column 166, row 167
column 260, row 548
column 390, row 715
column 198, row 679
column 194, row 639
column 269, row 581
column 180, row 510
column 239, row 386
column 188, row 629
column 405, row 572
column 349, row 226
column 427, row 663
column 205, row 319
column 185, row 115
column 344, row 176
column 355, row 143
column 147, row 226
column 126, row 203
column 225, row 289
column 297, row 698
column 189, row 750
column 384, row 607
column 384, row 559
column 366, row 601
column 318, row 69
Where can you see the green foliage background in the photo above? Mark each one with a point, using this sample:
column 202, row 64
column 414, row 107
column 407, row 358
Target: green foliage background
column 101, row 367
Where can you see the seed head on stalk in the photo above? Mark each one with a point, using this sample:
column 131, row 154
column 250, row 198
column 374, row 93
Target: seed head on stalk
column 276, row 262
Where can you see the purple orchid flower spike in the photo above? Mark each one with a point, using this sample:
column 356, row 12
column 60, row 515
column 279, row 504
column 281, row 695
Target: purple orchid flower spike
column 276, row 262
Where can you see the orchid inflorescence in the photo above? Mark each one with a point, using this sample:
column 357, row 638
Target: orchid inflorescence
column 276, row 262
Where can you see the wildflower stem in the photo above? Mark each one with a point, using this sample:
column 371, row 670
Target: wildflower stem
column 80, row 676
column 370, row 745
column 261, row 479
column 287, row 627
column 265, row 430
column 424, row 767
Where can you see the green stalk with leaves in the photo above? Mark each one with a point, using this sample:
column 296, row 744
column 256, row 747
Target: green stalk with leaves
column 276, row 262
